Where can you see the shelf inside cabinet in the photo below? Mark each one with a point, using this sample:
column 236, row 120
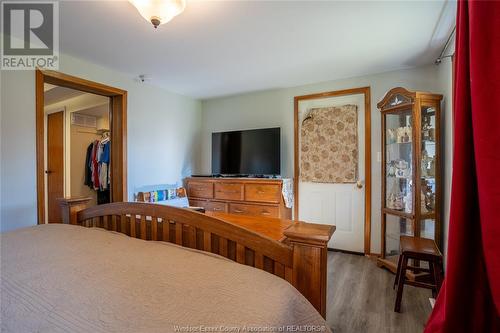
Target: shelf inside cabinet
column 398, row 213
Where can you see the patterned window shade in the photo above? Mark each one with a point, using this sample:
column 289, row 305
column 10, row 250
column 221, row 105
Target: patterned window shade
column 329, row 145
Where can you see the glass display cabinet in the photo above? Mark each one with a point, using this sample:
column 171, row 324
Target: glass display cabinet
column 411, row 169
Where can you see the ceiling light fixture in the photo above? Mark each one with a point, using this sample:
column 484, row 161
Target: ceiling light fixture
column 159, row 11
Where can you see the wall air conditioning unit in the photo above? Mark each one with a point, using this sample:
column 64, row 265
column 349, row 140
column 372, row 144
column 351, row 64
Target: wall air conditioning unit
column 83, row 120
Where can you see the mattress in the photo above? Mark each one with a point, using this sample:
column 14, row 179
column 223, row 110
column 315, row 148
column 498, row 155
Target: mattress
column 64, row 278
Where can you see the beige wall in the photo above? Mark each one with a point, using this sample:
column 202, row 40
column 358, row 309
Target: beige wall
column 163, row 131
column 81, row 137
column 445, row 83
column 274, row 108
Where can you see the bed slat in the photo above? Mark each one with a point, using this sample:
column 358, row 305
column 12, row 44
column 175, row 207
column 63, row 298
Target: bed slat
column 154, row 228
column 279, row 270
column 191, row 231
column 240, row 253
column 259, row 260
column 132, row 226
column 123, row 225
column 223, row 246
column 207, row 241
column 178, row 233
column 113, row 223
column 143, row 227
column 165, row 230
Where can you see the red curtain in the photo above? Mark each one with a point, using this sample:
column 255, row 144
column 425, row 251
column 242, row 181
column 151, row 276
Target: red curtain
column 469, row 300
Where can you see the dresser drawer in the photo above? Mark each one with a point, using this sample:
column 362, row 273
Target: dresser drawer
column 201, row 190
column 197, row 203
column 263, row 192
column 255, row 210
column 214, row 206
column 229, row 191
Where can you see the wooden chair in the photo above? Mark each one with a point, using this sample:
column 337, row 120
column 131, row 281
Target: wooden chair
column 418, row 249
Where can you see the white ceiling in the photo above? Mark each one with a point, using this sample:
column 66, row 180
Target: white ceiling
column 54, row 94
column 220, row 48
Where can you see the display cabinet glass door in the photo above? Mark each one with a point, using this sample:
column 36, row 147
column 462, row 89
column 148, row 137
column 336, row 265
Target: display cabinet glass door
column 398, row 157
column 395, row 227
column 428, row 160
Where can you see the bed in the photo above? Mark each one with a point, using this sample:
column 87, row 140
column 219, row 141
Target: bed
column 135, row 267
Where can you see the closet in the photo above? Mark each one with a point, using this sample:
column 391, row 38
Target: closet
column 91, row 154
column 97, row 167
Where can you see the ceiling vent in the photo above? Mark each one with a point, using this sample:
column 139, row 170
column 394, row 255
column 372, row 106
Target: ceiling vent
column 83, row 120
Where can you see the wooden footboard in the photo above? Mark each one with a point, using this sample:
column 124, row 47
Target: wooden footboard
column 300, row 260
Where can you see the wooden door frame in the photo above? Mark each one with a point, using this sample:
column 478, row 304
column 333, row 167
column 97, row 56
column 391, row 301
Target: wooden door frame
column 368, row 175
column 118, row 102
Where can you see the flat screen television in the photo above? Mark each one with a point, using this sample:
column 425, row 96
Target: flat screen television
column 248, row 152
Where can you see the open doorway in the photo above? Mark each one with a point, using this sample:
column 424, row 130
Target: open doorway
column 77, row 147
column 76, row 123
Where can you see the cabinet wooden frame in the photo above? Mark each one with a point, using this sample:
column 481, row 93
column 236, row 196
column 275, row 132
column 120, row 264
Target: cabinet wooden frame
column 415, row 100
column 118, row 121
column 368, row 178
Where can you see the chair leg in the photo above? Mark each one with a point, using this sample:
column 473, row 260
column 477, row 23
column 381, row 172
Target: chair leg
column 401, row 282
column 434, row 278
column 398, row 271
column 438, row 271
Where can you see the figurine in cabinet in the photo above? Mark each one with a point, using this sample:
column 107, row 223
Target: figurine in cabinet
column 428, row 165
column 429, row 196
column 404, row 134
column 391, row 135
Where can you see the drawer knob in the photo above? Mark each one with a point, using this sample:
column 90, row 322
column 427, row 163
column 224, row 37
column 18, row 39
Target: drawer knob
column 238, row 211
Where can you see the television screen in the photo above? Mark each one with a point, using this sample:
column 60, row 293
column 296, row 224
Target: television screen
column 249, row 152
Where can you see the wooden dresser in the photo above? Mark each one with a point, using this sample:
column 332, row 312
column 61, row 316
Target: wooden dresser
column 239, row 196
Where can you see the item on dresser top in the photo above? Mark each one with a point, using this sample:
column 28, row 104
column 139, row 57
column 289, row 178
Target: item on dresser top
column 166, row 194
column 287, row 192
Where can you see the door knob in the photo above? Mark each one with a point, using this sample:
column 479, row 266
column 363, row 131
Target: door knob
column 359, row 184
column 48, row 171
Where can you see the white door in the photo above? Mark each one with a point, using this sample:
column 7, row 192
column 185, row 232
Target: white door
column 341, row 205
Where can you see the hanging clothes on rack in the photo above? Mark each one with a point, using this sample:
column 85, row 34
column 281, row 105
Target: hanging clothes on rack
column 97, row 167
column 88, row 171
column 103, row 162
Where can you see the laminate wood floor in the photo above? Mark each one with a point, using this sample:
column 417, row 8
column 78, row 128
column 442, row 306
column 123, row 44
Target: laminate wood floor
column 360, row 298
